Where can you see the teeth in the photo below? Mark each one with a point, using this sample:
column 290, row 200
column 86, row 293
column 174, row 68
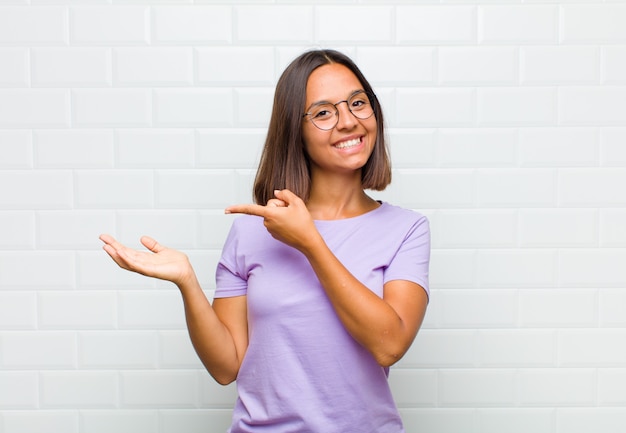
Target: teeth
column 349, row 143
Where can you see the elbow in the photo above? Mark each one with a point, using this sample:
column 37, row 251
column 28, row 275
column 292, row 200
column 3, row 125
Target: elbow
column 224, row 379
column 223, row 376
column 388, row 359
column 388, row 356
column 389, row 350
column 225, row 382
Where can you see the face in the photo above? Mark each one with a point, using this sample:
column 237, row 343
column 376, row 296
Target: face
column 346, row 147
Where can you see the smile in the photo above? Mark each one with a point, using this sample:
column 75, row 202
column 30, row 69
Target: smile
column 349, row 143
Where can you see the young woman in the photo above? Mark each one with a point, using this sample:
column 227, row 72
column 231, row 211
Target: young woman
column 320, row 288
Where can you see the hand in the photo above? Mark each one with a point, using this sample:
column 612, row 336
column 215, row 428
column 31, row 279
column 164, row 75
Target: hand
column 285, row 217
column 163, row 263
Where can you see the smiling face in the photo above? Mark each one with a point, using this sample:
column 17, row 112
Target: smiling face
column 347, row 147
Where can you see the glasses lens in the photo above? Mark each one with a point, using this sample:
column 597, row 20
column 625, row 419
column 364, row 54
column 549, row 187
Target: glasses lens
column 360, row 105
column 324, row 116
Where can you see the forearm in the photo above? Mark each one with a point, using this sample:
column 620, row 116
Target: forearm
column 210, row 336
column 211, row 339
column 369, row 319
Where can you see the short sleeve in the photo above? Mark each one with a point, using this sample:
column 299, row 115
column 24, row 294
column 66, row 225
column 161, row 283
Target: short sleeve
column 412, row 259
column 230, row 275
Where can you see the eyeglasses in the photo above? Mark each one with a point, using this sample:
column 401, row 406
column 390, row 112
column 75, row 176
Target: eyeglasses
column 325, row 115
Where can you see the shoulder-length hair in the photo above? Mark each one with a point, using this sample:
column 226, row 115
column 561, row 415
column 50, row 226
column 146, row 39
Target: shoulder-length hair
column 284, row 162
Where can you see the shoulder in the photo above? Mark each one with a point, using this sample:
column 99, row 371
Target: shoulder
column 244, row 223
column 401, row 216
column 246, row 230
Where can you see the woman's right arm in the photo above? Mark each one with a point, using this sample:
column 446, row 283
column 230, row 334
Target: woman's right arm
column 219, row 333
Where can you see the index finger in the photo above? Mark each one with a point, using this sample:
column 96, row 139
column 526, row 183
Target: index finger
column 112, row 247
column 249, row 209
column 109, row 240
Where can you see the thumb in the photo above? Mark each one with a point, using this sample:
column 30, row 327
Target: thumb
column 151, row 244
column 286, row 195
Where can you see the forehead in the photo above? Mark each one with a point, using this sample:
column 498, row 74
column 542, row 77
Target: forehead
column 331, row 82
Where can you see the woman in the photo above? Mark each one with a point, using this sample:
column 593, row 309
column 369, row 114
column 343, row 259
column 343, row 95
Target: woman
column 320, row 288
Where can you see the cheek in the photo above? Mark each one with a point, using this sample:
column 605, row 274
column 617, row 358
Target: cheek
column 372, row 130
column 306, row 143
column 312, row 138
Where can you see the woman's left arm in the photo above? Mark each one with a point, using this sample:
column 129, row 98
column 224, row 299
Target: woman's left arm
column 385, row 326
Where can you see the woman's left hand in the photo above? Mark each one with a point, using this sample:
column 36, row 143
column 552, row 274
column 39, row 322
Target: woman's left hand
column 159, row 262
column 286, row 218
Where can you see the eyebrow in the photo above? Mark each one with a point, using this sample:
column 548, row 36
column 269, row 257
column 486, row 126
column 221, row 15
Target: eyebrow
column 322, row 102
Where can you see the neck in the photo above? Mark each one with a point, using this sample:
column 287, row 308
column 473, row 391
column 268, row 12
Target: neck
column 338, row 199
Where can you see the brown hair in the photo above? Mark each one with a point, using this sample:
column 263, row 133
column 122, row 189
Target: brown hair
column 284, row 163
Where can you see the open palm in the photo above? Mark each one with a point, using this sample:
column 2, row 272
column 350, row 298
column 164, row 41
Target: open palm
column 159, row 262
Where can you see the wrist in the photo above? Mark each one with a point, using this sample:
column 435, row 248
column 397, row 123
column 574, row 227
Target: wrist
column 313, row 244
column 187, row 278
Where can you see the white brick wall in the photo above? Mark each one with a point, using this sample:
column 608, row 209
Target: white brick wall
column 507, row 124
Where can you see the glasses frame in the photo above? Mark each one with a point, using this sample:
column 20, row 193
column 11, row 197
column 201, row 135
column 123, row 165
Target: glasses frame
column 369, row 95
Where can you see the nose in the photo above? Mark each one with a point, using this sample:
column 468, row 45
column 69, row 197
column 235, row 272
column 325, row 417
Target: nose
column 346, row 119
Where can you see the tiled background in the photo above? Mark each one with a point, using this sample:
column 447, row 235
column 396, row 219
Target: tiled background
column 507, row 122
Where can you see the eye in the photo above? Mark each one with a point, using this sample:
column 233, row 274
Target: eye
column 322, row 112
column 359, row 101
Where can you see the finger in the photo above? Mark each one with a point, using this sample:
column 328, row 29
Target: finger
column 107, row 239
column 151, row 244
column 110, row 251
column 116, row 255
column 286, row 196
column 249, row 209
column 111, row 242
column 274, row 202
column 128, row 258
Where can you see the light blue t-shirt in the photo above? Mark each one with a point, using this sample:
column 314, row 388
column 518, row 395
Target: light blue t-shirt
column 302, row 371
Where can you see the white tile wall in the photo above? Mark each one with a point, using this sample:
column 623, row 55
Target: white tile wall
column 612, row 153
column 484, row 147
column 562, row 387
column 511, row 106
column 124, row 420
column 79, row 389
column 435, row 24
column 287, row 23
column 43, row 421
column 579, row 420
column 518, row 24
column 14, row 67
column 165, row 66
column 586, row 105
column 112, row 107
column 559, row 65
column 103, row 25
column 189, row 25
column 614, row 64
column 15, row 149
column 474, row 65
column 43, row 108
column 43, row 25
column 558, row 147
column 514, row 421
column 507, row 124
column 592, row 23
column 71, row 67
